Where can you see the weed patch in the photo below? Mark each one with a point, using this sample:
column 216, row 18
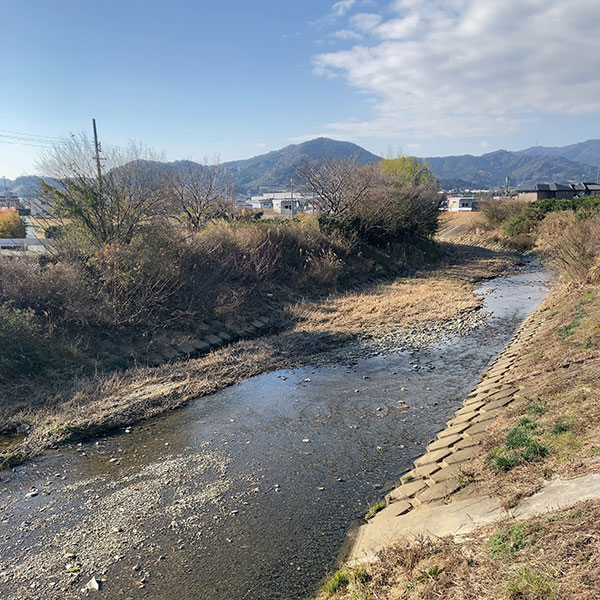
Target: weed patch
column 505, row 542
column 527, row 583
column 561, row 426
column 341, row 579
column 568, row 330
column 536, row 407
column 373, row 510
column 519, row 447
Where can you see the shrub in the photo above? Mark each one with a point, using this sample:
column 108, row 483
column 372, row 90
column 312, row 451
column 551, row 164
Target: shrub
column 54, row 231
column 12, row 225
column 573, row 244
column 522, row 221
column 588, row 205
column 497, row 212
column 26, row 349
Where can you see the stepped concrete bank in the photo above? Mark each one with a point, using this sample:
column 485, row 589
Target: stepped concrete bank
column 434, row 497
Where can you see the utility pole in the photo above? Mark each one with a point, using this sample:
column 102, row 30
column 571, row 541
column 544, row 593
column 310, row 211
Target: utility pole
column 292, row 204
column 97, row 149
column 506, row 182
column 233, row 188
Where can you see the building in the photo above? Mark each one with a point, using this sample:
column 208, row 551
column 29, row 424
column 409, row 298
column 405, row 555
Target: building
column 544, row 191
column 462, row 203
column 586, row 189
column 282, row 203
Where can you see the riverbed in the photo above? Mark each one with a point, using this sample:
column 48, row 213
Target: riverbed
column 251, row 492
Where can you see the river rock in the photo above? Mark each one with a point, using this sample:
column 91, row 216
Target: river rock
column 93, row 585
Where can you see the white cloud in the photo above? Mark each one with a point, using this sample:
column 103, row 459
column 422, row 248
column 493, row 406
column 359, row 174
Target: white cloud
column 347, row 34
column 414, row 146
column 469, row 67
column 484, row 144
column 261, row 145
column 339, row 9
column 366, row 22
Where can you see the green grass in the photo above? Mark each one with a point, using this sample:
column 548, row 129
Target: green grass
column 536, row 407
column 506, row 542
column 527, row 583
column 430, row 573
column 568, row 330
column 519, row 447
column 339, row 580
column 588, row 297
column 561, row 426
column 576, row 517
column 528, row 423
column 373, row 510
column 342, row 578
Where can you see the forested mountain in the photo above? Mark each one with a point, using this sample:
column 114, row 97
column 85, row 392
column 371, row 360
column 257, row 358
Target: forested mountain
column 490, row 170
column 587, row 152
column 274, row 170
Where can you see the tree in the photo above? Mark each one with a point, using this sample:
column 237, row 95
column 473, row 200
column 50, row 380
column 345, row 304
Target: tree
column 407, row 169
column 108, row 206
column 198, row 192
column 339, row 184
column 12, row 225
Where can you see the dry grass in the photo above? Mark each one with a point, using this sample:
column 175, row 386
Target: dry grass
column 430, row 295
column 556, row 557
column 40, row 224
column 79, row 408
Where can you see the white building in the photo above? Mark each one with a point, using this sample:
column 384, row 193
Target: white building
column 462, row 203
column 282, row 203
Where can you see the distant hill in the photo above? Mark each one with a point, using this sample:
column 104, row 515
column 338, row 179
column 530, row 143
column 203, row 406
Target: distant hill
column 25, row 186
column 587, row 152
column 490, row 170
column 275, row 169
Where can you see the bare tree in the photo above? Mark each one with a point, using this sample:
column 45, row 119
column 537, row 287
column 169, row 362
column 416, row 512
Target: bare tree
column 110, row 203
column 198, row 192
column 339, row 184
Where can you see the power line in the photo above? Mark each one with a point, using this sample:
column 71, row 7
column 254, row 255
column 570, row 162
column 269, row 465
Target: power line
column 37, row 140
column 33, row 135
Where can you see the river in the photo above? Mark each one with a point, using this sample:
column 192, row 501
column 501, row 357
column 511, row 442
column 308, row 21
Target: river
column 251, row 492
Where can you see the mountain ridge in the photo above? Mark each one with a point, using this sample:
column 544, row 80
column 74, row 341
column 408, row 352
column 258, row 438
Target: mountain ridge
column 274, row 170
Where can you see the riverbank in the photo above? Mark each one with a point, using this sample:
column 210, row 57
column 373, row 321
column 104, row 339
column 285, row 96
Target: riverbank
column 295, row 457
column 410, row 312
column 525, row 443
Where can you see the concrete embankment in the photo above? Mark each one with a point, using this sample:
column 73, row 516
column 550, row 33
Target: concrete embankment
column 434, row 498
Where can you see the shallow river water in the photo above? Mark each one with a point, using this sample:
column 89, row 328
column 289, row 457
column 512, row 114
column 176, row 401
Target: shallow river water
column 249, row 493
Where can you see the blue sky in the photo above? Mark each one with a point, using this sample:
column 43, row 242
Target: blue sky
column 239, row 78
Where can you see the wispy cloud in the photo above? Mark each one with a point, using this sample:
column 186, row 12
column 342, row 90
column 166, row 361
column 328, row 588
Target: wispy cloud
column 467, row 67
column 339, row 9
column 347, row 34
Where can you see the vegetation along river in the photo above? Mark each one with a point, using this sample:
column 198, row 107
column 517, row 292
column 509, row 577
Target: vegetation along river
column 249, row 493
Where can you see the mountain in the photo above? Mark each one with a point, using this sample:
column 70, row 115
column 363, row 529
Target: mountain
column 275, row 169
column 525, row 168
column 490, row 170
column 587, row 152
